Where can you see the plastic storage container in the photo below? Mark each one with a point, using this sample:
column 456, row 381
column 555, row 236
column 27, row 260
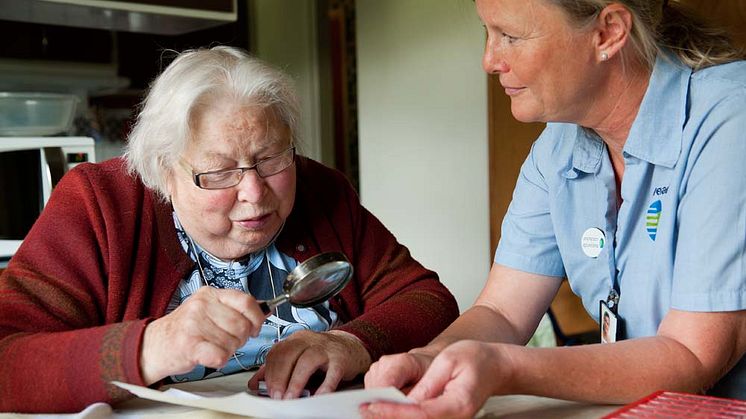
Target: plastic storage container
column 35, row 114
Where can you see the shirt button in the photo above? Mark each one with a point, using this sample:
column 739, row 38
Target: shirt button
column 300, row 248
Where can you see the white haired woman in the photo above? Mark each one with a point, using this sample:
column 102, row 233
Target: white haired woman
column 635, row 191
column 148, row 268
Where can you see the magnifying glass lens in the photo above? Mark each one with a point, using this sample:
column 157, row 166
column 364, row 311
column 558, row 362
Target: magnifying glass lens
column 312, row 282
column 321, row 283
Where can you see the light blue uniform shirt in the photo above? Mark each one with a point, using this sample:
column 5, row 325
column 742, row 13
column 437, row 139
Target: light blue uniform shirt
column 679, row 238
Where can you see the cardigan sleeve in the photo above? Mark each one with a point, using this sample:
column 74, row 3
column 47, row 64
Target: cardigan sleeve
column 393, row 303
column 70, row 319
column 404, row 305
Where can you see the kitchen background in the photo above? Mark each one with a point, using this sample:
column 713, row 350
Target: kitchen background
column 393, row 131
column 107, row 52
column 106, row 55
column 392, row 93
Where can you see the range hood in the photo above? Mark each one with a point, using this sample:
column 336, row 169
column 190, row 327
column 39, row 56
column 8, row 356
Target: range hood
column 164, row 17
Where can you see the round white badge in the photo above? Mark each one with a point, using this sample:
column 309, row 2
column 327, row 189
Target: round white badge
column 593, row 242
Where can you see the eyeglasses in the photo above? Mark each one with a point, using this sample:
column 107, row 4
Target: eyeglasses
column 222, row 179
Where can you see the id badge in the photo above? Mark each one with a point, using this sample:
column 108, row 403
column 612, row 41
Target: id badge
column 608, row 323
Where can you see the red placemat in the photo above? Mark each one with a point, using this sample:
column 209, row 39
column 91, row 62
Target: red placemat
column 666, row 404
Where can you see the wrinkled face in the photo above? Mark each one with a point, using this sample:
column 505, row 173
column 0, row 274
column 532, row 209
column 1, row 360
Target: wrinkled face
column 233, row 222
column 546, row 65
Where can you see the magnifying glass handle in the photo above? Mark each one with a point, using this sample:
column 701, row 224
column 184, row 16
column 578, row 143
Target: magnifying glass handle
column 269, row 305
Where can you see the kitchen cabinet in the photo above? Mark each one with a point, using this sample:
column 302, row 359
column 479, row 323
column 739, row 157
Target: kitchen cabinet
column 134, row 56
column 167, row 17
column 221, row 6
column 55, row 43
column 109, row 70
column 140, row 56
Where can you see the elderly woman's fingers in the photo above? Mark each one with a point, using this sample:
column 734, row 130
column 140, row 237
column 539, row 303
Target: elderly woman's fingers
column 206, row 329
column 209, row 355
column 178, row 342
column 258, row 376
column 279, row 365
column 334, row 375
column 311, row 360
column 291, row 363
column 212, row 329
column 205, row 316
column 244, row 304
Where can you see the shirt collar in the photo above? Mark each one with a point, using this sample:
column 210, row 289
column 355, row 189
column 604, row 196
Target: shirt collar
column 587, row 151
column 250, row 262
column 656, row 133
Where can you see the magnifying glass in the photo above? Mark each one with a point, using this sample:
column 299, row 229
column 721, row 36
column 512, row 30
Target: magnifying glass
column 312, row 282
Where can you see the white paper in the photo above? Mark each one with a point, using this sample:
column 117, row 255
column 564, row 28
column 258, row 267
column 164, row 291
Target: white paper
column 342, row 404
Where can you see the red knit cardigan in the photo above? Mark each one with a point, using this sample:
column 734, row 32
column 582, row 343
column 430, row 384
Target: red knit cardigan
column 103, row 260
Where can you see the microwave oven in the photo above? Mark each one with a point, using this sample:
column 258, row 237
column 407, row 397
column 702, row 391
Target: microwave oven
column 30, row 167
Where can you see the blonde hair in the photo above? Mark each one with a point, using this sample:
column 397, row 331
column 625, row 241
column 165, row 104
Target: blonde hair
column 193, row 80
column 659, row 25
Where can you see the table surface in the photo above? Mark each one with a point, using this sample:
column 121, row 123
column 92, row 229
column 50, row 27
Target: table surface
column 513, row 407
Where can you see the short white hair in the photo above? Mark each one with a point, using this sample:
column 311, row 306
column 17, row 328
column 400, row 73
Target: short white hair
column 194, row 79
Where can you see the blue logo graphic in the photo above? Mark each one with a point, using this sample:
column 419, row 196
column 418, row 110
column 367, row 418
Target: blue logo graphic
column 654, row 215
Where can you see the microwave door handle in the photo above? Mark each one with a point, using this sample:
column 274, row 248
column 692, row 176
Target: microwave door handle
column 53, row 168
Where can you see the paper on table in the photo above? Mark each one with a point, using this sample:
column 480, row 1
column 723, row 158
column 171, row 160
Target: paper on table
column 342, row 404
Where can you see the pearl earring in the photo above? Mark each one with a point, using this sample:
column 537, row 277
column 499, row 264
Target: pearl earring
column 604, row 56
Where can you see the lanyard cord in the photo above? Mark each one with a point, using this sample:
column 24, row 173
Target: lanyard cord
column 204, row 282
column 274, row 293
column 199, row 263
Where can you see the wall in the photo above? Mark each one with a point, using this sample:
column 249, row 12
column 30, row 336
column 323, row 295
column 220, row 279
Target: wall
column 284, row 33
column 423, row 133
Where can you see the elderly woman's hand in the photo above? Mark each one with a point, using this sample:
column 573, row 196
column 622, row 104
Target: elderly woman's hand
column 290, row 363
column 204, row 330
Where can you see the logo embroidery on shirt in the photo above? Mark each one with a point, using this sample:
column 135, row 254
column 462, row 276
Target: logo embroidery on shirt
column 654, row 214
column 660, row 191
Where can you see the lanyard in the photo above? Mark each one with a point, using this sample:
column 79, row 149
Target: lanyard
column 610, row 187
column 612, row 300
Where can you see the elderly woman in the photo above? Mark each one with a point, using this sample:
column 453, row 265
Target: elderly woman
column 636, row 191
column 148, row 269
